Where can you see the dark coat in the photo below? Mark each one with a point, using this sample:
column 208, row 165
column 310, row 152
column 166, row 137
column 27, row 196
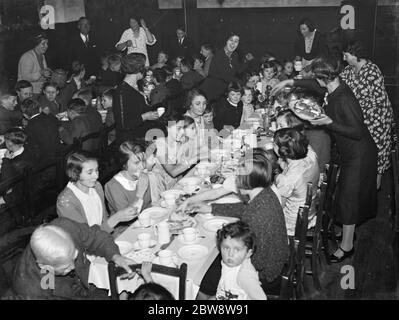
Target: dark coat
column 227, row 114
column 356, row 199
column 265, row 217
column 9, row 119
column 87, row 54
column 80, row 127
column 43, row 136
column 88, row 241
column 186, row 49
column 128, row 106
column 221, row 73
column 319, row 47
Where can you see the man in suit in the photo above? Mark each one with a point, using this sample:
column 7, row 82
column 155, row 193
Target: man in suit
column 183, row 46
column 59, row 250
column 83, row 48
column 42, row 131
column 207, row 52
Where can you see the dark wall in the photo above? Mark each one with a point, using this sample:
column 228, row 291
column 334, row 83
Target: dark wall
column 261, row 29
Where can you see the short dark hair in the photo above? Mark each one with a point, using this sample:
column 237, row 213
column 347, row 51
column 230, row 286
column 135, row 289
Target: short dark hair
column 309, row 23
column 187, row 62
column 269, row 64
column 188, row 121
column 126, row 149
column 77, row 105
column 50, row 84
column 191, row 95
column 237, row 230
column 151, row 291
column 133, row 63
column 83, row 18
column 30, row 107
column 261, row 175
column 22, row 84
column 209, row 109
column 114, row 58
column 197, row 56
column 109, row 93
column 208, row 46
column 86, row 94
column 234, row 86
column 39, row 37
column 325, row 68
column 75, row 162
column 16, row 136
column 291, row 143
column 159, row 75
column 357, row 49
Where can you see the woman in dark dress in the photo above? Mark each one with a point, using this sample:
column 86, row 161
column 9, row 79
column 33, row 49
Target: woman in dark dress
column 310, row 44
column 133, row 117
column 224, row 68
column 357, row 193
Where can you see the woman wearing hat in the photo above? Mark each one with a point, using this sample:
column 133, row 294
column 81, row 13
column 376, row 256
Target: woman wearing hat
column 32, row 65
column 133, row 117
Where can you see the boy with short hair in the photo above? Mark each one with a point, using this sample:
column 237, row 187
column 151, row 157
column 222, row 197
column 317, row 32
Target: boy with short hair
column 239, row 280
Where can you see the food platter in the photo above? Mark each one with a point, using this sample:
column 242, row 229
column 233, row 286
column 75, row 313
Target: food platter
column 306, row 109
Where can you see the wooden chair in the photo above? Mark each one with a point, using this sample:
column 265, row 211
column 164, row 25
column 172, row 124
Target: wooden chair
column 301, row 229
column 288, row 275
column 395, row 173
column 181, row 273
column 11, row 245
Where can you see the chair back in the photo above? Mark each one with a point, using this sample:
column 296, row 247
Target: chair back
column 395, row 173
column 181, row 273
column 332, row 179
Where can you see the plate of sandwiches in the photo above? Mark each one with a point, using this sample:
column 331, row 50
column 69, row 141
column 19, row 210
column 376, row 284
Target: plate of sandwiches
column 306, row 109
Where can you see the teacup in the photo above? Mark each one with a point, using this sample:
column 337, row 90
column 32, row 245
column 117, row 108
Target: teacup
column 165, row 257
column 189, row 234
column 144, row 240
column 170, row 199
column 161, row 111
column 145, row 219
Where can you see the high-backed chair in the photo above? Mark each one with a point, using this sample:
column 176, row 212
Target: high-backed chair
column 181, row 273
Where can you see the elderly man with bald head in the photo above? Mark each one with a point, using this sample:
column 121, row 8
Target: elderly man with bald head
column 60, row 249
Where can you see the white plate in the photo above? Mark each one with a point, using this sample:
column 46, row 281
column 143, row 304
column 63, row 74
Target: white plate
column 205, row 216
column 190, row 180
column 193, row 252
column 229, row 199
column 214, row 225
column 174, row 264
column 175, row 192
column 156, row 212
column 136, row 245
column 142, row 255
column 137, row 224
column 124, row 246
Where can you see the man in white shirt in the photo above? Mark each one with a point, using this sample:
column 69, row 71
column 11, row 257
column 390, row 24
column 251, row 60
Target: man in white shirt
column 136, row 38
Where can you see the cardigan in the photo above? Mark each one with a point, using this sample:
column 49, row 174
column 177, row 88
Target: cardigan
column 69, row 206
column 29, row 70
column 28, row 278
column 265, row 217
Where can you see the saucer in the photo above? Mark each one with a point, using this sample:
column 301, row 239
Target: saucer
column 181, row 239
column 136, row 245
column 138, row 225
column 174, row 264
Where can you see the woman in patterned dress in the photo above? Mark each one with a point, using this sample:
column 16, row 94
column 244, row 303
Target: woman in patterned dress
column 367, row 83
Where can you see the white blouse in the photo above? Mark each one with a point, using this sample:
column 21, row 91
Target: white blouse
column 91, row 203
column 292, row 185
column 139, row 44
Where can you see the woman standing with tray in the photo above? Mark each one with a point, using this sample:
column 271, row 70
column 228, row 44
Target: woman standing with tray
column 356, row 199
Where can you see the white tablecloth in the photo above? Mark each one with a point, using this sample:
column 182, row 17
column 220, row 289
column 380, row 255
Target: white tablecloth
column 196, row 269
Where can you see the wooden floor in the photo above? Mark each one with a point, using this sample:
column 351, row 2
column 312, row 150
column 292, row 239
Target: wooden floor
column 375, row 262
